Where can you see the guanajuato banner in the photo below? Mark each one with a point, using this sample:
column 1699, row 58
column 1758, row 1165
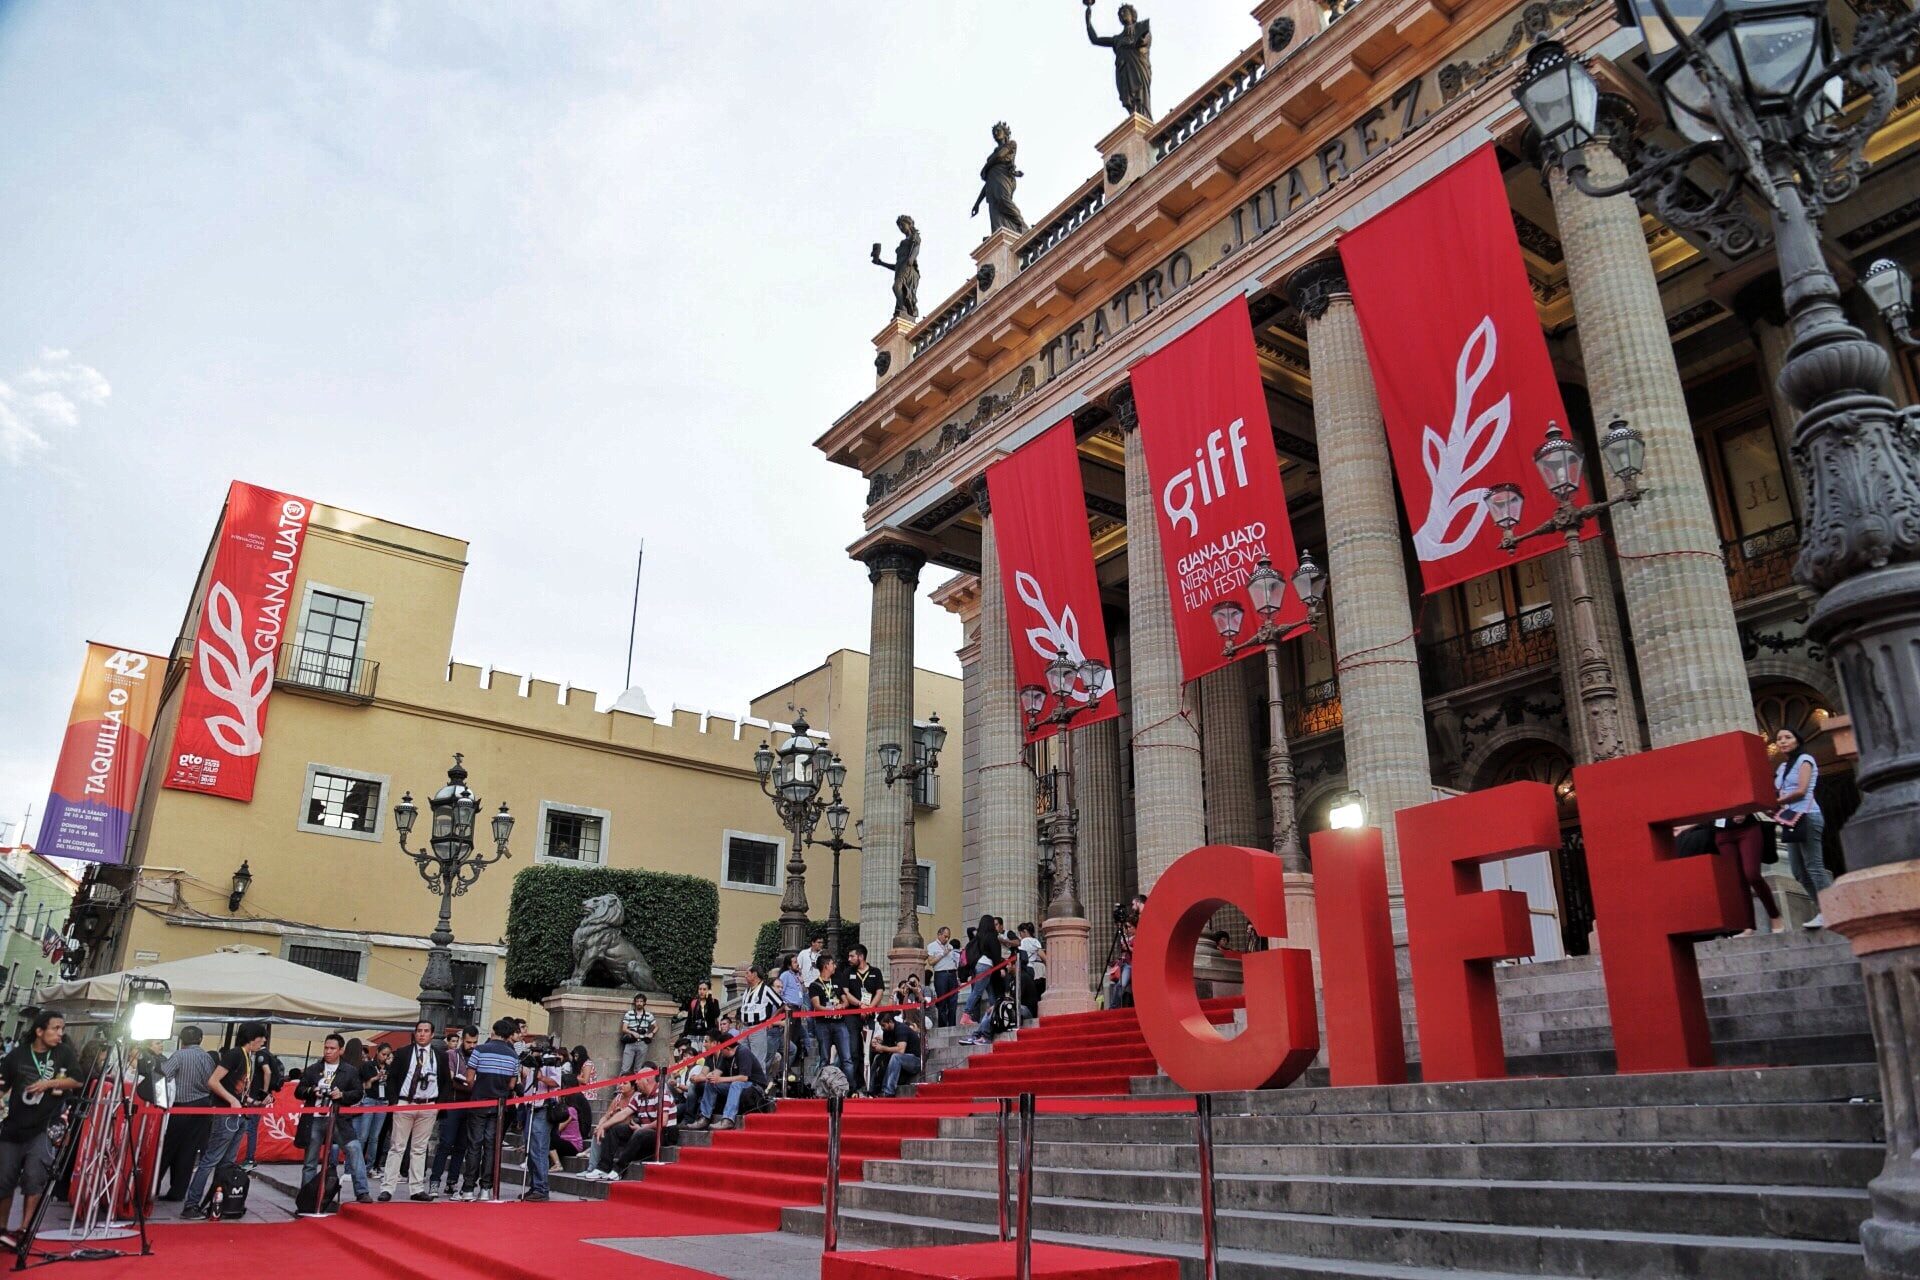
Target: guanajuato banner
column 1046, row 567
column 1215, row 478
column 1459, row 361
column 223, row 709
column 103, row 756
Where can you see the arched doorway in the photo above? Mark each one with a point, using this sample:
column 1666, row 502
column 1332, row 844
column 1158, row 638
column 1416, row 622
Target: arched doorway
column 1559, row 898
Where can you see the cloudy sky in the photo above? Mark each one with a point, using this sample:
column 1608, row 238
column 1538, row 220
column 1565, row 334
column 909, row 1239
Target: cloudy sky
column 551, row 277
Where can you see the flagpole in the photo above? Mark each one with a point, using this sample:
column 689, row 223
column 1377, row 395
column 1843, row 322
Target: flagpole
column 633, row 618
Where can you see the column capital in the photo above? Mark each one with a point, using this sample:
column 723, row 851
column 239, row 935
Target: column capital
column 1314, row 287
column 977, row 490
column 883, row 558
column 1125, row 411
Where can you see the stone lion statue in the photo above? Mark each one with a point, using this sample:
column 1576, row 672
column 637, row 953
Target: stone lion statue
column 598, row 945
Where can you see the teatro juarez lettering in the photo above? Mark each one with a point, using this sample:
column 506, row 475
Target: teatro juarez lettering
column 1362, row 142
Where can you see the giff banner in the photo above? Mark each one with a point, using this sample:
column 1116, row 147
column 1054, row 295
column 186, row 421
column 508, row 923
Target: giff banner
column 223, row 709
column 1219, row 502
column 1459, row 361
column 1046, row 568
column 103, row 756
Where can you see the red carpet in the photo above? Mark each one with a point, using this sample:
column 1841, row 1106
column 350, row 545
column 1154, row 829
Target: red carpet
column 1097, row 1054
column 993, row 1262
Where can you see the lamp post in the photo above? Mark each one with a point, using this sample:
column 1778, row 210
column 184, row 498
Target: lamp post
column 792, row 777
column 1073, row 689
column 1758, row 89
column 242, row 881
column 1269, row 591
column 902, row 768
column 449, row 865
column 1561, row 465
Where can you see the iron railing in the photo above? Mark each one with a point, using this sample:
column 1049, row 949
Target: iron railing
column 1070, row 220
column 1761, row 563
column 1313, row 709
column 1210, row 107
column 321, row 671
column 943, row 324
column 1502, row 648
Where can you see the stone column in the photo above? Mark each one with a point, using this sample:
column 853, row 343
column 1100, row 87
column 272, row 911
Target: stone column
column 1103, row 879
column 1378, row 670
column 1121, row 637
column 894, row 570
column 1168, row 813
column 1009, row 840
column 1226, row 753
column 1675, row 581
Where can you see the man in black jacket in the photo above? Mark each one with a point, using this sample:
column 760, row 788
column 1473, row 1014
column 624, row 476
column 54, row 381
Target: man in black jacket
column 330, row 1082
column 420, row 1074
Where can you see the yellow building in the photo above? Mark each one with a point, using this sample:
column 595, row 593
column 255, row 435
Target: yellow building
column 367, row 705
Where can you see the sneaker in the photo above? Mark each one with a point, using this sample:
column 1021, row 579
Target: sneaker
column 534, row 1197
column 385, row 1196
column 362, row 1197
column 422, row 1196
column 194, row 1213
column 1818, row 922
column 464, row 1197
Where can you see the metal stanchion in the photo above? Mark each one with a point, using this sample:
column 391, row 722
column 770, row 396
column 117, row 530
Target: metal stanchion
column 1203, row 1137
column 1006, row 1114
column 1023, row 1245
column 662, row 1099
column 831, row 1234
column 1019, row 994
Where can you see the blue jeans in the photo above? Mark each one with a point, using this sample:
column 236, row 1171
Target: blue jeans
column 346, row 1147
column 899, row 1064
column 222, row 1142
column 450, row 1147
column 371, row 1127
column 1807, row 856
column 710, row 1094
column 945, row 983
column 253, row 1136
column 982, row 992
column 539, row 1142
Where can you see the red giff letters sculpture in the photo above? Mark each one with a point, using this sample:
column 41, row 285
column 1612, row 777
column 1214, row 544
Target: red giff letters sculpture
column 1650, row 907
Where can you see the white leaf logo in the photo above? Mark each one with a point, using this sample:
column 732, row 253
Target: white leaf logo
column 1453, row 462
column 234, row 676
column 1056, row 634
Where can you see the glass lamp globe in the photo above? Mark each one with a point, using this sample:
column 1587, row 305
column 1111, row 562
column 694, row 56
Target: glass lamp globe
column 1560, row 463
column 1267, row 588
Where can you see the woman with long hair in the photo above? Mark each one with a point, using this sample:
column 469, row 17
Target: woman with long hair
column 983, row 953
column 1803, row 828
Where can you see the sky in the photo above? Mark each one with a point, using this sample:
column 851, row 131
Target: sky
column 550, row 277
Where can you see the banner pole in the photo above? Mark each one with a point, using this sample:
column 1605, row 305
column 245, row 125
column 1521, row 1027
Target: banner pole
column 1006, row 1112
column 1203, row 1138
column 499, row 1140
column 831, row 1232
column 1023, row 1246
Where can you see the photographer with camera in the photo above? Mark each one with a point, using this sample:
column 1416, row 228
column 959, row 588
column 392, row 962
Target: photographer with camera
column 39, row 1074
column 541, row 1066
column 1126, row 919
column 234, row 1072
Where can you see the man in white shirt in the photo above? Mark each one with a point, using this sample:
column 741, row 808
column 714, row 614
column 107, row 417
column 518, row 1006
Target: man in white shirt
column 1036, row 962
column 419, row 1076
column 943, row 957
column 810, row 961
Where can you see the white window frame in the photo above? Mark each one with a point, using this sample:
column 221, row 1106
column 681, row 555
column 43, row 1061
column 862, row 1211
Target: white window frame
column 933, row 887
column 385, row 782
column 362, row 949
column 540, row 854
column 779, row 884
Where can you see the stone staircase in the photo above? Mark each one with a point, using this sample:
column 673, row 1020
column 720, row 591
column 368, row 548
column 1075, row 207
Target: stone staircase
column 1753, row 1174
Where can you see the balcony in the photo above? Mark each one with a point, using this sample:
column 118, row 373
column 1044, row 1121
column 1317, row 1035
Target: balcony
column 1503, row 648
column 328, row 674
column 1314, row 709
column 1761, row 563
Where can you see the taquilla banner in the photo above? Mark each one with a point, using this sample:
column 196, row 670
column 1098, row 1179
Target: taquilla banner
column 249, row 600
column 103, row 756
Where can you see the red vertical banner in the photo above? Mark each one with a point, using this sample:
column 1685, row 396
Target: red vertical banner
column 1460, row 363
column 223, row 707
column 1219, row 502
column 1046, row 567
column 103, row 756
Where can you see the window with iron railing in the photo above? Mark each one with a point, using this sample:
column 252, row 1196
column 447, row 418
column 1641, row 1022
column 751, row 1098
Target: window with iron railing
column 341, row 962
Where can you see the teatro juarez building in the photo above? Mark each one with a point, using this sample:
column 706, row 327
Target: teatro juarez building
column 1243, row 189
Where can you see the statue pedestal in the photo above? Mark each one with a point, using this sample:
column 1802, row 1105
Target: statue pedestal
column 892, row 348
column 996, row 253
column 1127, row 152
column 1215, row 975
column 591, row 1016
column 1068, row 989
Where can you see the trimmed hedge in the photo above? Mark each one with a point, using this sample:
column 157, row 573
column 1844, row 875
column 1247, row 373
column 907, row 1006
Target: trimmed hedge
column 673, row 920
column 766, row 947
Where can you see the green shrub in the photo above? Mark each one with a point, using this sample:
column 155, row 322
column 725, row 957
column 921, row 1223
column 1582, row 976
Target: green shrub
column 766, row 947
column 673, row 920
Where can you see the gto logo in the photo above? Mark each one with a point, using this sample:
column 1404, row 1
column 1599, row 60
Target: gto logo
column 1177, row 498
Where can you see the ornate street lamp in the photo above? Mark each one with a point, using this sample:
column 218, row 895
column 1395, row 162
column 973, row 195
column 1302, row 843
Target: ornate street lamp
column 1759, row 90
column 1269, row 591
column 1562, row 467
column 242, row 881
column 1348, row 812
column 1073, row 689
column 792, row 777
column 1889, row 287
column 906, row 934
column 449, row 865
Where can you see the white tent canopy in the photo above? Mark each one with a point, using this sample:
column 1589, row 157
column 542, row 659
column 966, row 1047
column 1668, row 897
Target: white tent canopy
column 248, row 981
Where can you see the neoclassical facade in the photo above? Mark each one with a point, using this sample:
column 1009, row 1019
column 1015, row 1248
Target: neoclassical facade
column 1242, row 189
